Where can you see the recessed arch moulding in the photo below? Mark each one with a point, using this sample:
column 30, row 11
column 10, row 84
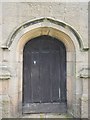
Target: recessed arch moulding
column 45, row 22
column 54, row 28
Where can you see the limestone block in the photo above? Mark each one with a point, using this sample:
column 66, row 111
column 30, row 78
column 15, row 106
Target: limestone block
column 70, row 68
column 4, row 86
column 76, row 110
column 5, row 56
column 76, row 105
column 0, row 86
column 5, row 106
column 0, row 107
column 80, row 66
column 84, row 106
column 14, row 103
column 84, row 73
column 0, row 55
column 81, row 56
column 70, row 56
column 79, row 86
column 4, row 73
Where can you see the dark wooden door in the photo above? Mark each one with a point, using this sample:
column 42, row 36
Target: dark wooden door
column 44, row 76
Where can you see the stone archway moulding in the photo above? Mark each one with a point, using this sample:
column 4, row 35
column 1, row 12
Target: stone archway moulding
column 45, row 22
column 44, row 26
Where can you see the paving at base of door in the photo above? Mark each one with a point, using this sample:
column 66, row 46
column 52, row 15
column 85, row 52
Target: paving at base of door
column 47, row 116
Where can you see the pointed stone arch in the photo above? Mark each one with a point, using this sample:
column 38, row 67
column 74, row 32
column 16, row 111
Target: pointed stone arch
column 32, row 29
column 45, row 23
column 45, row 27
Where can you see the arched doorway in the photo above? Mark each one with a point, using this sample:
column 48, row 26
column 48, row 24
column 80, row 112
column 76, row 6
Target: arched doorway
column 44, row 76
column 74, row 48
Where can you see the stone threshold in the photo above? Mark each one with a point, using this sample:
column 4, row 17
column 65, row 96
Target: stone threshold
column 47, row 115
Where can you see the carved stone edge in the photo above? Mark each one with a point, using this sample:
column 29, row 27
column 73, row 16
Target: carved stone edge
column 84, row 73
column 4, row 73
column 40, row 20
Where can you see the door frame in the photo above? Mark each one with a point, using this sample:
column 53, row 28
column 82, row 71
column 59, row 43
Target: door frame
column 70, row 51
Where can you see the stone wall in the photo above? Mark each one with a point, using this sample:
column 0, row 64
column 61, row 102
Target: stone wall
column 15, row 14
column 75, row 14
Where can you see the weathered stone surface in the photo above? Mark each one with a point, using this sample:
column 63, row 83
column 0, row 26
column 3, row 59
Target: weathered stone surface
column 4, row 73
column 68, row 12
column 41, row 116
column 84, row 106
column 5, row 106
column 15, row 14
column 84, row 73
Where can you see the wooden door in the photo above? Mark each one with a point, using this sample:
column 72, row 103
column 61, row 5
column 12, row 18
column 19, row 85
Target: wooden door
column 44, row 76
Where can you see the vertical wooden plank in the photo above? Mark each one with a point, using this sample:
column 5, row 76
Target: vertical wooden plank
column 63, row 73
column 27, row 76
column 35, row 83
column 45, row 76
column 55, row 76
column 44, row 69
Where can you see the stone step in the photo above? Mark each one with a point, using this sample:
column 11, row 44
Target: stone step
column 47, row 116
